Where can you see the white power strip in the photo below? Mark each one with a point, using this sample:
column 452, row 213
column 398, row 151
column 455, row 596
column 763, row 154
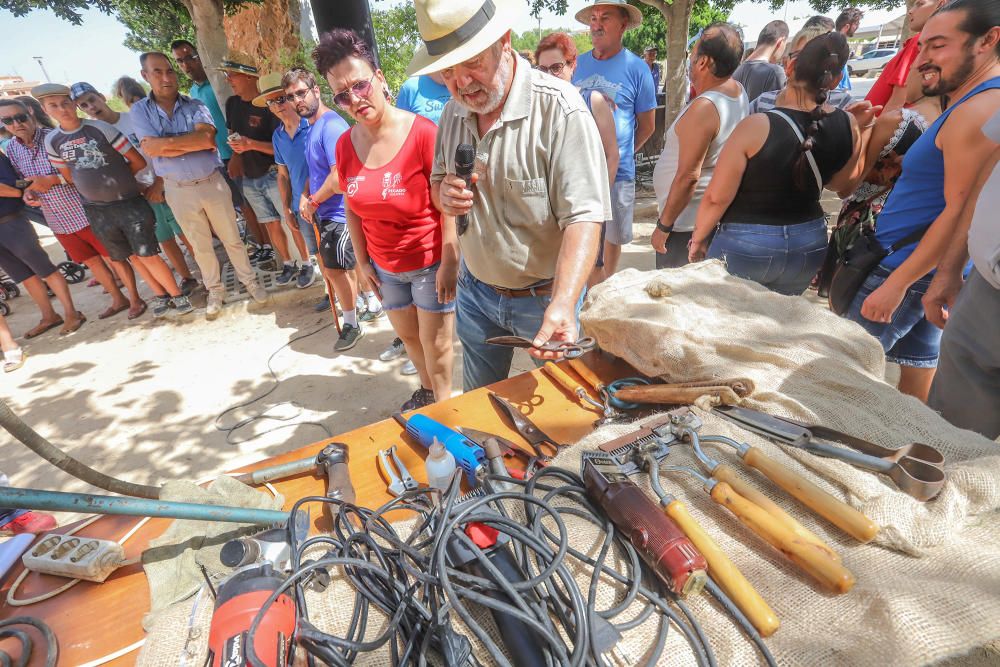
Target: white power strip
column 74, row 557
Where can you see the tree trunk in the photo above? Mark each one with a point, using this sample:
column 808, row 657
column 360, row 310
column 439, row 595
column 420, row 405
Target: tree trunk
column 212, row 46
column 678, row 15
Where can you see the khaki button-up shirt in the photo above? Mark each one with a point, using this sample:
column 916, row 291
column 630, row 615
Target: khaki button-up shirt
column 541, row 167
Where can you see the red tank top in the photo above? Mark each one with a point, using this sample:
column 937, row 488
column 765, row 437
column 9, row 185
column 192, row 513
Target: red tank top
column 401, row 225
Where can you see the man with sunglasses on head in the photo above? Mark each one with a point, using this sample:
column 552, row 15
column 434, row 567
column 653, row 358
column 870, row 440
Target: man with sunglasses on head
column 178, row 134
column 322, row 200
column 288, row 142
column 251, row 128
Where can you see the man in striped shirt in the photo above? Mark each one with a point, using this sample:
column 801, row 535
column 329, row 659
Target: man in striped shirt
column 61, row 205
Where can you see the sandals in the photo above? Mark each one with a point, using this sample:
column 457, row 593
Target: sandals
column 13, row 360
column 42, row 328
column 139, row 313
column 111, row 311
column 68, row 329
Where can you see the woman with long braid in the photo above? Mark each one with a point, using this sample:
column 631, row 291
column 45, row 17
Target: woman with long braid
column 764, row 195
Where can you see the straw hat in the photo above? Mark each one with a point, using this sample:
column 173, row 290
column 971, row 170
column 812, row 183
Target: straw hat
column 634, row 14
column 238, row 62
column 455, row 30
column 269, row 86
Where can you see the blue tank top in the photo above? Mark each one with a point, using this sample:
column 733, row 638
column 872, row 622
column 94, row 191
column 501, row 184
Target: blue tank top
column 918, row 197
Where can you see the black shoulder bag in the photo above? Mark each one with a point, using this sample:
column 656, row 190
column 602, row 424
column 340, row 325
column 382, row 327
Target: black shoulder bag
column 857, row 262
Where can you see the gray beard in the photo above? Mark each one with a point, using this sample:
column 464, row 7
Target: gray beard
column 495, row 95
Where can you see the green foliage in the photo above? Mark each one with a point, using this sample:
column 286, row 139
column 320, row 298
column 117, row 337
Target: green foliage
column 528, row 40
column 154, row 27
column 654, row 26
column 397, row 36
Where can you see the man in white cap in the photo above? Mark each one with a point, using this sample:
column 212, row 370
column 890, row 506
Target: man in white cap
column 624, row 78
column 538, row 192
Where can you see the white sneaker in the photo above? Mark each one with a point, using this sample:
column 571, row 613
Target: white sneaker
column 214, row 306
column 408, row 368
column 257, row 292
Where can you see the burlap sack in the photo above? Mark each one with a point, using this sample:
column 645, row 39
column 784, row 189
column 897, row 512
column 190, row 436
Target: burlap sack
column 933, row 596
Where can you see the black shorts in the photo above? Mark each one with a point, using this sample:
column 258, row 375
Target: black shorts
column 21, row 255
column 335, row 248
column 125, row 228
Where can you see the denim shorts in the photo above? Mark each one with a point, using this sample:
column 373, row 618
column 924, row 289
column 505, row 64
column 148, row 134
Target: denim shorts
column 909, row 339
column 782, row 258
column 308, row 233
column 619, row 228
column 125, row 228
column 262, row 194
column 412, row 288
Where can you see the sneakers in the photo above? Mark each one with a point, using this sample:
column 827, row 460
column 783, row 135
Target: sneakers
column 394, row 351
column 421, row 398
column 288, row 273
column 307, row 276
column 161, row 304
column 323, row 304
column 182, row 304
column 368, row 315
column 214, row 306
column 408, row 368
column 257, row 292
column 188, row 285
column 349, row 335
column 262, row 254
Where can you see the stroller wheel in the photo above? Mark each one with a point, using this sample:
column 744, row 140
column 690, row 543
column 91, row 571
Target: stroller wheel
column 4, row 309
column 73, row 272
column 12, row 290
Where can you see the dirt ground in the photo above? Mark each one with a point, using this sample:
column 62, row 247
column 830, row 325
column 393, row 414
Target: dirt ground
column 140, row 400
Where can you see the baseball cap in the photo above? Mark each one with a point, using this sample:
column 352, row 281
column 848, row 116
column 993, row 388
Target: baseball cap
column 80, row 89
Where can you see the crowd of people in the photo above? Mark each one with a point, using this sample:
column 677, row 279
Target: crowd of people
column 388, row 211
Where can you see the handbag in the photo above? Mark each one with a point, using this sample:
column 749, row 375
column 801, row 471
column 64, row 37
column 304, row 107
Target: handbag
column 857, row 262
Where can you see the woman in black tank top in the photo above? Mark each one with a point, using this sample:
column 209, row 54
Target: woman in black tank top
column 764, row 195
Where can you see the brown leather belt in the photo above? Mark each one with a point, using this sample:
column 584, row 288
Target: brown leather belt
column 523, row 292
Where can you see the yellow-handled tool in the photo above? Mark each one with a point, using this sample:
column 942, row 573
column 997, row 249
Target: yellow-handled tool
column 589, row 376
column 720, row 568
column 571, row 385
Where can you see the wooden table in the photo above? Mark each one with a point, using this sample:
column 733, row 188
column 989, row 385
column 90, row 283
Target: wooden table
column 92, row 620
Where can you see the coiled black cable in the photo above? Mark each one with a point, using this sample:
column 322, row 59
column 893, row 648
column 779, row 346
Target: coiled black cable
column 51, row 644
column 413, row 583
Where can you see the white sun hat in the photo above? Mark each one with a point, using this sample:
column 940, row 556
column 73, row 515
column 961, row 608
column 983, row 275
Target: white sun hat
column 634, row 13
column 453, row 31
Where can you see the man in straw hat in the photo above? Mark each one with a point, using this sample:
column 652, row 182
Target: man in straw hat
column 539, row 191
column 625, row 79
column 178, row 134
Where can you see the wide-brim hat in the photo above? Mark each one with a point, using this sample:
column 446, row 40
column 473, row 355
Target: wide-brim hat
column 238, row 62
column 453, row 32
column 634, row 13
column 269, row 86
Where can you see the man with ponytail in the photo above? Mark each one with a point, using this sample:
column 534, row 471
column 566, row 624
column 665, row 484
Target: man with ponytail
column 959, row 57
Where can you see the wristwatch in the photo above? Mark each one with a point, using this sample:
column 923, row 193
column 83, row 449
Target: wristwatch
column 664, row 228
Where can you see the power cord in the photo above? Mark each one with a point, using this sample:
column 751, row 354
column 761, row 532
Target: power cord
column 230, row 430
column 27, row 646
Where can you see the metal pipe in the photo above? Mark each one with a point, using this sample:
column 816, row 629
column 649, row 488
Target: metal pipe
column 88, row 503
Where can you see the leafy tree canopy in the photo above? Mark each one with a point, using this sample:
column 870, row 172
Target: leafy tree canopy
column 654, row 26
column 529, row 39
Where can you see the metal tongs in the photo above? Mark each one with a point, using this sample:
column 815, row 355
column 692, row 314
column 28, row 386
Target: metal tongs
column 917, row 469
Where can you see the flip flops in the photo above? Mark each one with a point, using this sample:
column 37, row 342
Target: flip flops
column 13, row 360
column 111, row 311
column 138, row 313
column 41, row 328
column 68, row 329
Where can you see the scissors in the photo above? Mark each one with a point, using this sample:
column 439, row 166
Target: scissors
column 544, row 445
column 917, row 469
column 569, row 350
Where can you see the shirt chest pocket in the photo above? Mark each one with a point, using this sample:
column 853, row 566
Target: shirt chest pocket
column 526, row 202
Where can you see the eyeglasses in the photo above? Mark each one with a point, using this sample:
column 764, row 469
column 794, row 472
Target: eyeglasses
column 280, row 99
column 16, row 118
column 298, row 95
column 194, row 57
column 555, row 69
column 362, row 89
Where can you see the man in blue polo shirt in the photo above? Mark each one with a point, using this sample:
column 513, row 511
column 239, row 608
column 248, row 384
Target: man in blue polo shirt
column 178, row 134
column 289, row 142
column 624, row 78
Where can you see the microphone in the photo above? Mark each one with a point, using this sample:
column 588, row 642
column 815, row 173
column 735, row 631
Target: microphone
column 465, row 160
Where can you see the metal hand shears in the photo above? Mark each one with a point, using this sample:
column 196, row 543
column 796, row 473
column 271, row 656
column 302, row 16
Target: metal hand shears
column 568, row 349
column 545, row 446
column 917, row 469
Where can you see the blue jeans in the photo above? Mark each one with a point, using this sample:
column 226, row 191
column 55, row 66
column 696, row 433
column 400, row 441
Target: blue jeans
column 783, row 259
column 909, row 339
column 482, row 314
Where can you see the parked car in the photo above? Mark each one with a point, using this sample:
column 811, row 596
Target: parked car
column 872, row 61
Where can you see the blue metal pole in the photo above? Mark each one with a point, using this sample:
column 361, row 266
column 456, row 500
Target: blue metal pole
column 88, row 503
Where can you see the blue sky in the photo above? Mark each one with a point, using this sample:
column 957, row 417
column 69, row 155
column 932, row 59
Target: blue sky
column 93, row 51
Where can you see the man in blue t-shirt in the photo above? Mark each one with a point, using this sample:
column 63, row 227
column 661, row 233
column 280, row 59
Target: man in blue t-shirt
column 424, row 95
column 322, row 201
column 848, row 23
column 624, row 78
